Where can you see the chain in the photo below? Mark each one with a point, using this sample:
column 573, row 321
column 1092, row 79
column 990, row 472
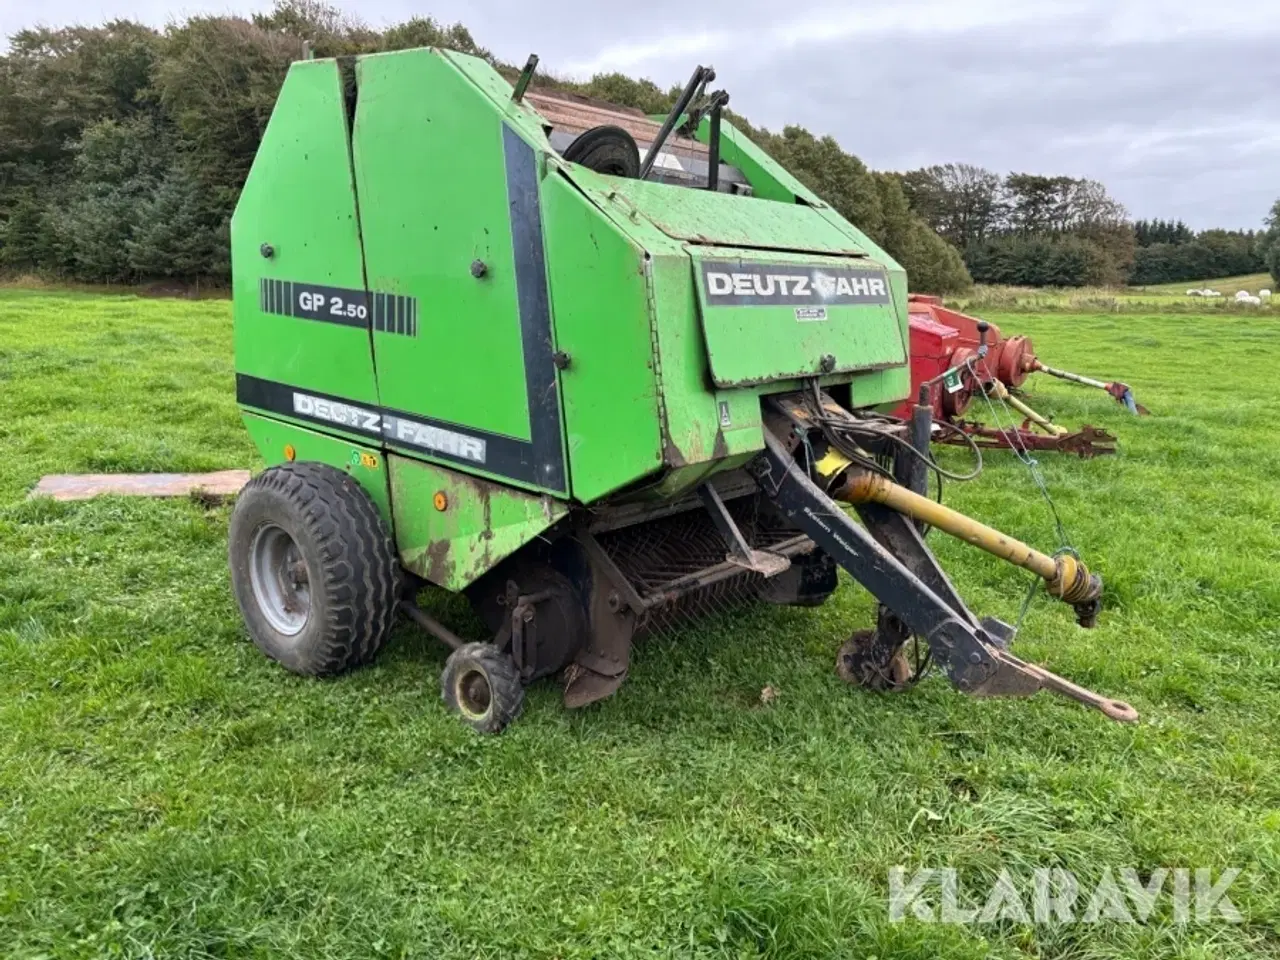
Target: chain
column 1024, row 456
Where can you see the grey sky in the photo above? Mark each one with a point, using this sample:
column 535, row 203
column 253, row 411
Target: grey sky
column 1173, row 104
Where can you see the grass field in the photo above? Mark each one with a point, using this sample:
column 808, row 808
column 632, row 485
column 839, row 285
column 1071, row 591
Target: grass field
column 1163, row 298
column 167, row 792
column 1227, row 286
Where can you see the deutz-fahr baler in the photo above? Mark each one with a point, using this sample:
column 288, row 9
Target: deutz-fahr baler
column 595, row 370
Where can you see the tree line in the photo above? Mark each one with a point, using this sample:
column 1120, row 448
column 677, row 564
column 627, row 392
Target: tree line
column 1170, row 252
column 123, row 149
column 1032, row 230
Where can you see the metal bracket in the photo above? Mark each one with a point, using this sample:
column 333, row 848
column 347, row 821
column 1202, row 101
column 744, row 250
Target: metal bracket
column 522, row 83
column 740, row 552
column 892, row 562
column 952, row 634
column 524, row 629
column 1017, row 678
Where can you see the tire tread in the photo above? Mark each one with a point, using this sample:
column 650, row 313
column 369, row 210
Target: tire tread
column 359, row 571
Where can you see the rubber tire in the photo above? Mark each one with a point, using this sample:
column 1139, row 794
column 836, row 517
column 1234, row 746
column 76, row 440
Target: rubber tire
column 506, row 692
column 606, row 149
column 351, row 564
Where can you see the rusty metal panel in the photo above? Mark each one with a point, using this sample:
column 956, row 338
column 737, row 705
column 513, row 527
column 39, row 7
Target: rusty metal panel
column 452, row 527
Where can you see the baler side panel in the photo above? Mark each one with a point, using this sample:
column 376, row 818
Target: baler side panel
column 602, row 322
column 489, row 81
column 702, row 423
column 471, row 525
column 704, row 217
column 298, row 323
column 364, row 462
column 768, row 179
column 445, row 183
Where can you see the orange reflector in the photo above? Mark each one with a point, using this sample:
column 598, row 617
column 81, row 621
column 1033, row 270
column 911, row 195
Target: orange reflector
column 290, row 454
column 440, row 500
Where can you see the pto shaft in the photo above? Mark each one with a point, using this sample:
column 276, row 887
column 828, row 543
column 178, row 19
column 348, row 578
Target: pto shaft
column 1065, row 577
column 1068, row 375
column 998, row 389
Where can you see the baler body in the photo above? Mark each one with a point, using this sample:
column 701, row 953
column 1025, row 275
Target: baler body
column 420, row 276
column 595, row 402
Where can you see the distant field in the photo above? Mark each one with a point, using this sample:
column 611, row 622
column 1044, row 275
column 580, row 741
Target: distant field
column 1228, row 286
column 1169, row 297
column 167, row 792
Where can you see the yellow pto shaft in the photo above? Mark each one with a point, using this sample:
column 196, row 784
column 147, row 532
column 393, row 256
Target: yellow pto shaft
column 1065, row 577
column 998, row 389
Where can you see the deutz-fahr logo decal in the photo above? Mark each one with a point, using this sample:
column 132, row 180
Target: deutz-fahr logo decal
column 729, row 284
column 395, row 428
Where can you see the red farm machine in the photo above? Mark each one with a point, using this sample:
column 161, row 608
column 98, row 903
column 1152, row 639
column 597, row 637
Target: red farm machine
column 955, row 358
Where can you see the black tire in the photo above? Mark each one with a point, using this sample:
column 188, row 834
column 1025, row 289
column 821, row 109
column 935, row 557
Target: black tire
column 607, row 149
column 482, row 686
column 339, row 555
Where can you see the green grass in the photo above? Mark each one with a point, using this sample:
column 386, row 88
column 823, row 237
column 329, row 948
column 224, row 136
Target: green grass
column 1226, row 286
column 167, row 792
column 1164, row 298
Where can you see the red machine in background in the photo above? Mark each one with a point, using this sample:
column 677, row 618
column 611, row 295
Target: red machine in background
column 955, row 357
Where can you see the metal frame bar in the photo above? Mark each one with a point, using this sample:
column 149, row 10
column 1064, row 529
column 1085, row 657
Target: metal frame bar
column 949, row 628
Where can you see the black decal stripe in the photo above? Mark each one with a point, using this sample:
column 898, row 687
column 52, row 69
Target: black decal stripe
column 274, row 397
column 535, row 310
column 384, row 312
column 504, row 456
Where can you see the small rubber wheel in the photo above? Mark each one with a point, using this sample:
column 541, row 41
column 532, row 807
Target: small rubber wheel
column 481, row 684
column 313, row 569
column 861, row 664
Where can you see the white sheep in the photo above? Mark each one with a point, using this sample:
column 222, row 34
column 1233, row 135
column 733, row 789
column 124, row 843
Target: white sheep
column 1193, row 293
column 1243, row 295
column 1264, row 293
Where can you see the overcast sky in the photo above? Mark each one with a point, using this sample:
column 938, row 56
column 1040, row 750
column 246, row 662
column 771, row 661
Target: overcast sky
column 1173, row 104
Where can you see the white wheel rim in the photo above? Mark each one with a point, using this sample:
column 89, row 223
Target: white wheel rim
column 280, row 579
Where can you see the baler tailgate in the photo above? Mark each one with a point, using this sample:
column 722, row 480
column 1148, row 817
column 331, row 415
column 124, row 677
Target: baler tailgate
column 794, row 316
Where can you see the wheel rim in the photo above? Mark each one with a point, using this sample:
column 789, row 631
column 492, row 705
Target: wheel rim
column 280, row 581
column 473, row 693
